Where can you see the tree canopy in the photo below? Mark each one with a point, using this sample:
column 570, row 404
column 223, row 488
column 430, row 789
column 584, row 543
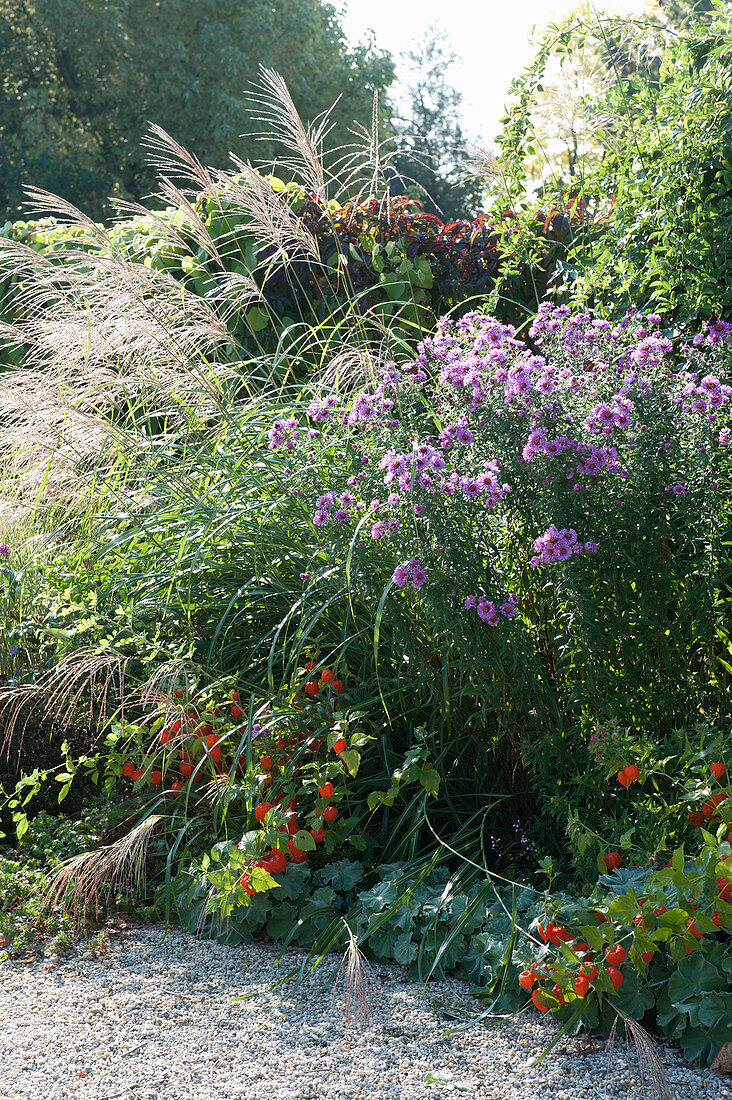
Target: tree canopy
column 431, row 140
column 81, row 79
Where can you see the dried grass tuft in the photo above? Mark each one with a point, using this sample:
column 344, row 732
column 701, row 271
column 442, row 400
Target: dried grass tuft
column 365, row 164
column 356, row 992
column 652, row 1072
column 86, row 881
column 480, row 163
column 273, row 106
column 271, row 221
column 104, row 338
column 86, row 681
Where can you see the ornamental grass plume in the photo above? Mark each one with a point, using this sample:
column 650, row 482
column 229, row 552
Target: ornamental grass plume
column 356, row 992
column 107, row 342
column 82, row 681
column 90, row 879
column 110, row 342
column 273, row 106
column 653, row 1075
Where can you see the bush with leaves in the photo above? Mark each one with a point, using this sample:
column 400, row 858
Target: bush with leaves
column 657, row 173
column 639, row 799
column 668, row 168
column 653, row 943
column 543, row 528
column 354, row 261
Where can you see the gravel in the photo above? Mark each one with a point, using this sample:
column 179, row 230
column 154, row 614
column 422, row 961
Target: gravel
column 153, row 1018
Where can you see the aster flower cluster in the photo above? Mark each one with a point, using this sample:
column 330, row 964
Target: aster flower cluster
column 713, row 334
column 450, row 473
column 284, row 433
column 488, row 611
column 556, row 545
column 409, row 571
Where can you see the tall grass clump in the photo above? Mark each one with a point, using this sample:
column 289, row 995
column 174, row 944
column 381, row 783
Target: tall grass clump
column 132, row 429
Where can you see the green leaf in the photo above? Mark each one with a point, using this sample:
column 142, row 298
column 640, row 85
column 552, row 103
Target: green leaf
column 343, row 875
column 404, row 950
column 257, row 318
column 260, row 879
column 304, row 841
column 378, row 798
column 351, row 758
column 674, row 917
column 430, row 780
column 724, row 869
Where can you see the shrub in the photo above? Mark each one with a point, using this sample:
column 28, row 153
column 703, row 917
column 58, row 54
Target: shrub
column 654, row 944
column 369, row 262
column 542, row 529
column 656, row 170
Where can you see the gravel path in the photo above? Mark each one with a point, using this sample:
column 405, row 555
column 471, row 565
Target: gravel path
column 153, row 1019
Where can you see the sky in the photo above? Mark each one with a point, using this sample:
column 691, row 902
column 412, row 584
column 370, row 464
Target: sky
column 490, row 37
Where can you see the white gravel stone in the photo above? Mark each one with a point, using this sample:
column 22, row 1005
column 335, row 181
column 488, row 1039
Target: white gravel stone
column 154, row 1019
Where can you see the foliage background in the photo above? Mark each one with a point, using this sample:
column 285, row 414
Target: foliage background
column 81, row 79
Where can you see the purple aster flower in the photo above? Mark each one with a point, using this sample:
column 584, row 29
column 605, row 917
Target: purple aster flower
column 401, row 575
column 486, row 610
column 470, row 602
column 378, row 529
column 710, row 384
column 4, row 550
column 469, row 487
column 591, row 547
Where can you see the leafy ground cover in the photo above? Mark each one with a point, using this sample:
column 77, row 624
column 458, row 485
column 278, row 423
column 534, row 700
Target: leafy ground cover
column 455, row 595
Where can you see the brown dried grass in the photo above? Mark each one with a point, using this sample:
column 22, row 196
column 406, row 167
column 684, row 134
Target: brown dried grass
column 356, row 992
column 89, row 880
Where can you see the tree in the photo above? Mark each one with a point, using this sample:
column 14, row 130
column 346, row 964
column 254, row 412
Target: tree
column 430, row 137
column 681, row 12
column 81, row 79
